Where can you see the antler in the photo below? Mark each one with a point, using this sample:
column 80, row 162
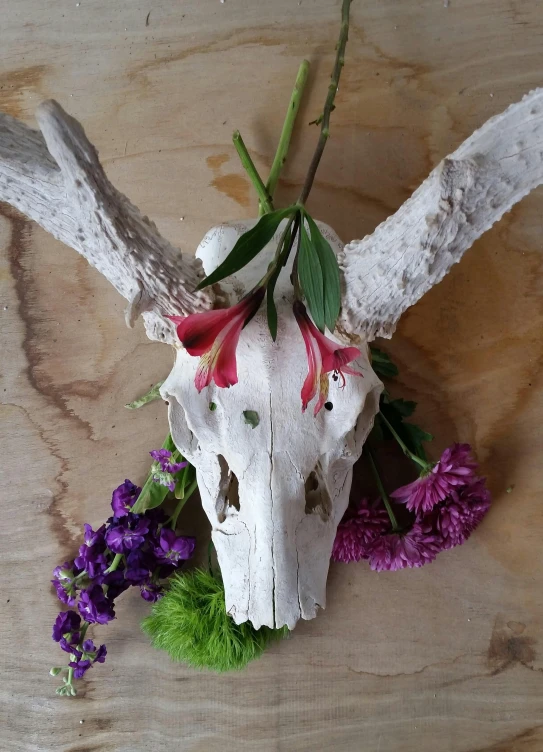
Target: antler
column 57, row 180
column 465, row 194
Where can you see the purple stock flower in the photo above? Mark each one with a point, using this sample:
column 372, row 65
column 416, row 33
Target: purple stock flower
column 80, row 666
column 357, row 529
column 66, row 622
column 94, row 537
column 172, row 549
column 116, row 583
column 128, row 533
column 85, row 659
column 458, row 516
column 162, row 469
column 64, row 583
column 97, row 655
column 71, row 645
column 139, row 565
column 101, row 654
column 150, row 591
column 124, row 497
column 456, row 467
column 92, row 552
column 414, row 548
column 163, row 457
column 95, row 607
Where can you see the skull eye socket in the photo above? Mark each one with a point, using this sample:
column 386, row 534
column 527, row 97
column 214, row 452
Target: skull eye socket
column 317, row 498
column 229, row 491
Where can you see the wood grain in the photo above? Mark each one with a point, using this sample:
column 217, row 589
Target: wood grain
column 446, row 658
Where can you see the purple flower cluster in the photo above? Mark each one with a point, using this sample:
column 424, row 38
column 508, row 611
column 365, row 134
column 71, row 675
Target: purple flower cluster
column 163, row 469
column 454, row 470
column 129, row 550
column 448, row 503
column 358, row 529
column 69, row 633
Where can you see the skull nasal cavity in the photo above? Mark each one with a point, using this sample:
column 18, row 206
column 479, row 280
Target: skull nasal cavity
column 317, row 498
column 229, row 490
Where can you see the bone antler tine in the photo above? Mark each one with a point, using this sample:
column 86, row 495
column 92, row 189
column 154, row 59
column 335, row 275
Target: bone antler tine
column 464, row 196
column 67, row 142
column 72, row 199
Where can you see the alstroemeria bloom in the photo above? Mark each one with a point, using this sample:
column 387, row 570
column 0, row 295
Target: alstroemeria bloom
column 214, row 335
column 324, row 357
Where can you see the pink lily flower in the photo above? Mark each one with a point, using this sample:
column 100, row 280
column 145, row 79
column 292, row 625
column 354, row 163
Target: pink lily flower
column 323, row 357
column 214, row 335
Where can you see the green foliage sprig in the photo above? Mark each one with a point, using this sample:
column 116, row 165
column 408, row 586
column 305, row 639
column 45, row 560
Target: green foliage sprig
column 315, row 274
column 393, row 412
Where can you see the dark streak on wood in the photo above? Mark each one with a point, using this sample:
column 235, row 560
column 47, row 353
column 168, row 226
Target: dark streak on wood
column 20, row 236
column 529, row 740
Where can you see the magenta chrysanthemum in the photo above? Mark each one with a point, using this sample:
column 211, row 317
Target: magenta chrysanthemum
column 414, row 548
column 456, row 467
column 357, row 529
column 457, row 517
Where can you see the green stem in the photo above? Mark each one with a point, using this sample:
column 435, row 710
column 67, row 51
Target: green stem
column 283, row 249
column 295, row 280
column 139, row 504
column 83, row 632
column 286, row 134
column 384, row 495
column 426, row 466
column 70, row 677
column 172, row 522
column 114, row 564
column 152, row 394
column 256, row 180
column 179, row 491
column 329, row 103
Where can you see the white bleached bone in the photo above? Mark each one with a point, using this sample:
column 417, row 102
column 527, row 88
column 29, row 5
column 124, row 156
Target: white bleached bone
column 274, row 493
column 462, row 198
column 55, row 178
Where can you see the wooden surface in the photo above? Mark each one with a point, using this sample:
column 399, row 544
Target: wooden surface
column 445, row 658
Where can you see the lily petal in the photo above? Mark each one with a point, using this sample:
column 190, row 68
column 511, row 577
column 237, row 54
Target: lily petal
column 214, row 336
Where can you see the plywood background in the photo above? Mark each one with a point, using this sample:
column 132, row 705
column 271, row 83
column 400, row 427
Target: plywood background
column 446, row 658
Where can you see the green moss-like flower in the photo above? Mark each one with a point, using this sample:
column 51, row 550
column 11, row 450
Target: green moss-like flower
column 191, row 624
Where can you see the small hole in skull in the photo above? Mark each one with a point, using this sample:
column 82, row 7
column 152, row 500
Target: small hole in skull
column 317, row 498
column 328, row 406
column 228, row 497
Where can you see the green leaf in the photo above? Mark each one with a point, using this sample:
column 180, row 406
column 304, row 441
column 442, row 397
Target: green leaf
column 395, row 411
column 414, row 438
column 251, row 417
column 330, row 274
column 270, row 303
column 405, row 408
column 248, row 246
column 152, row 394
column 382, row 365
column 155, row 496
column 311, row 279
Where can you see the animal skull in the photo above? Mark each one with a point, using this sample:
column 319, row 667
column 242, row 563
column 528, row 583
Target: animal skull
column 274, row 493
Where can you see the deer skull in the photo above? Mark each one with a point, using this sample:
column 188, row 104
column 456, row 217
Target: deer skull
column 275, row 492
